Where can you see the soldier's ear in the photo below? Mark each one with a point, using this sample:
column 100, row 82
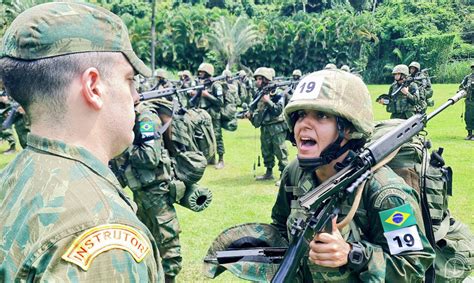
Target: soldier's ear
column 93, row 88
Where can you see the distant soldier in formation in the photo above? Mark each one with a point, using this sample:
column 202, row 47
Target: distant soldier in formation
column 212, row 99
column 330, row 66
column 187, row 81
column 468, row 85
column 296, row 75
column 424, row 86
column 269, row 118
column 161, row 79
column 146, row 169
column 403, row 96
column 249, row 85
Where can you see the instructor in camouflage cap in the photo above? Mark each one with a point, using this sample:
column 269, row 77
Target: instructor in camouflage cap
column 64, row 215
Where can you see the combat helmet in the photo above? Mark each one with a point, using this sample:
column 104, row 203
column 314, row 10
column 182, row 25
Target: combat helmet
column 330, row 66
column 207, row 68
column 160, row 73
column 263, row 72
column 227, row 73
column 245, row 236
column 400, row 69
column 346, row 68
column 297, row 72
column 338, row 93
column 242, row 73
column 187, row 73
column 416, row 65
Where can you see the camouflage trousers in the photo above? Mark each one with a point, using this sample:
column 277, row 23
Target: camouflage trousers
column 216, row 125
column 7, row 135
column 272, row 144
column 160, row 217
column 469, row 115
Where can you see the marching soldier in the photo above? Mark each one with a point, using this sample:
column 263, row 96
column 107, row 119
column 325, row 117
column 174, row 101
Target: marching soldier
column 468, row 85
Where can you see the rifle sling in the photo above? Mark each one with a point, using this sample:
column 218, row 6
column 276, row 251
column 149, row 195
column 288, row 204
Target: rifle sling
column 360, row 189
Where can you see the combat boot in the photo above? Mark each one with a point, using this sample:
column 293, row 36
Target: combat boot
column 170, row 279
column 469, row 135
column 11, row 150
column 267, row 176
column 220, row 164
column 212, row 161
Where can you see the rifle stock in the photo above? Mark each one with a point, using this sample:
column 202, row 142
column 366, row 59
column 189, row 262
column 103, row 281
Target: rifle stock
column 324, row 199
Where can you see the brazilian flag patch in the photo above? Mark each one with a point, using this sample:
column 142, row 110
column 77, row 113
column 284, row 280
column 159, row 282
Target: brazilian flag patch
column 147, row 127
column 398, row 217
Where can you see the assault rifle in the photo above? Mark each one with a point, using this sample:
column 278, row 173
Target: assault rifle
column 207, row 82
column 409, row 80
column 10, row 116
column 268, row 255
column 322, row 203
column 166, row 92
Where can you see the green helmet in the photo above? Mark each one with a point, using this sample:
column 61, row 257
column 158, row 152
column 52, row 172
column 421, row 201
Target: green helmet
column 227, row 73
column 346, row 68
column 297, row 72
column 187, row 73
column 400, row 69
column 416, row 65
column 160, row 73
column 245, row 236
column 263, row 72
column 206, row 67
column 330, row 66
column 338, row 93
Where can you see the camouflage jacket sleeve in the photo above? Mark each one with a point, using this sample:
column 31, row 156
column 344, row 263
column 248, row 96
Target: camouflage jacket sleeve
column 282, row 207
column 216, row 97
column 380, row 263
column 146, row 152
column 114, row 265
column 413, row 93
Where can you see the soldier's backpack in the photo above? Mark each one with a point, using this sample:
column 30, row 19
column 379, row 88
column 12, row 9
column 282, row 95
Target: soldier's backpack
column 429, row 176
column 193, row 131
column 229, row 109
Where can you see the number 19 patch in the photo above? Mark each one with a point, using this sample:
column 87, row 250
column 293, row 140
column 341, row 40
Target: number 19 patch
column 400, row 230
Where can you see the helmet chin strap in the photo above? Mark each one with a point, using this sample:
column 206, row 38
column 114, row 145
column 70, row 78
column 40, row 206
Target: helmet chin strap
column 331, row 152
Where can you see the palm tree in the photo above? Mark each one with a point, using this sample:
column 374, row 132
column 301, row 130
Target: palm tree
column 232, row 40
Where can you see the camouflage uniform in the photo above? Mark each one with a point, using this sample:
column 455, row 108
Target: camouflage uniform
column 424, row 87
column 43, row 215
column 65, row 216
column 146, row 169
column 403, row 106
column 365, row 228
column 468, row 85
column 22, row 127
column 268, row 117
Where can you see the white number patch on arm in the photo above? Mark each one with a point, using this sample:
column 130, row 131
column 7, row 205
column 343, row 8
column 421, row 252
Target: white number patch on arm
column 405, row 239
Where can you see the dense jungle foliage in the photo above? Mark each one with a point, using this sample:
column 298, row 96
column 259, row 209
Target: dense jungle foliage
column 368, row 35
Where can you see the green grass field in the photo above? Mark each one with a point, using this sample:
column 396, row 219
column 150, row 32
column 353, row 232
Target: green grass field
column 237, row 198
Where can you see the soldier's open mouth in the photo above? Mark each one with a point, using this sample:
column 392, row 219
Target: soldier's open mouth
column 307, row 142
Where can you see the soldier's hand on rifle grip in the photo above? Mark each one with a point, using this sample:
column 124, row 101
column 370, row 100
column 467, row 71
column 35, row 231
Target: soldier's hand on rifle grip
column 266, row 98
column 329, row 250
column 404, row 90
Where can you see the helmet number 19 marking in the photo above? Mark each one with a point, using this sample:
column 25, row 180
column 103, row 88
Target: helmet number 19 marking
column 307, row 87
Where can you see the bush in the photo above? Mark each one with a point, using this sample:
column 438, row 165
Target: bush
column 453, row 72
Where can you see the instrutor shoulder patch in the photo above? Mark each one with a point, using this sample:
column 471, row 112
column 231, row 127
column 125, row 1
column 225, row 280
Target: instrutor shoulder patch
column 99, row 239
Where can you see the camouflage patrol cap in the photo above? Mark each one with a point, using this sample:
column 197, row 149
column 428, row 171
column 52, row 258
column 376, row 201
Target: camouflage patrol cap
column 160, row 73
column 400, row 69
column 415, row 64
column 338, row 93
column 330, row 66
column 244, row 236
column 206, row 67
column 345, row 68
column 297, row 72
column 61, row 28
column 263, row 72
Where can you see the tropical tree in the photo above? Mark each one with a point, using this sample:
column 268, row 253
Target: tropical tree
column 231, row 40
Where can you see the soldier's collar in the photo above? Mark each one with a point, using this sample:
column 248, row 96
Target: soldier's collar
column 80, row 154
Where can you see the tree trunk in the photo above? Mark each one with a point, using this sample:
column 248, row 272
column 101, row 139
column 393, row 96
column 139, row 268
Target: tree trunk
column 153, row 35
